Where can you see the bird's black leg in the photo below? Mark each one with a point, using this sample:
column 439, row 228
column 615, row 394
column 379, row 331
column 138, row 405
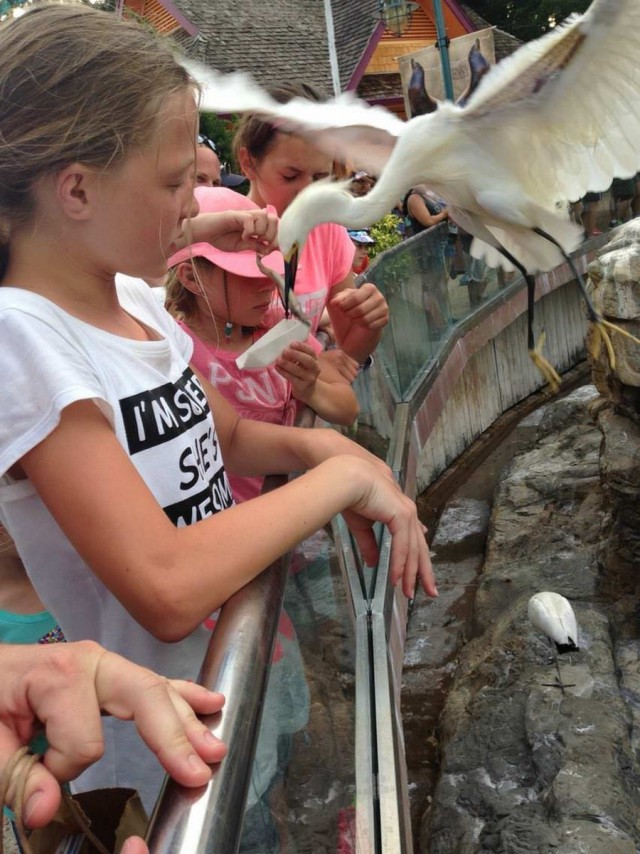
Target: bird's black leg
column 535, row 351
column 594, row 314
column 531, row 293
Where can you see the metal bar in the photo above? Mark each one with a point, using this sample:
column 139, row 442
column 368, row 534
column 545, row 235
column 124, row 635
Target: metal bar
column 331, row 47
column 388, row 631
column 442, row 43
column 198, row 821
column 366, row 798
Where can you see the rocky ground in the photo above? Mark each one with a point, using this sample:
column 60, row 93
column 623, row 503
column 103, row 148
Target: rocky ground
column 502, row 758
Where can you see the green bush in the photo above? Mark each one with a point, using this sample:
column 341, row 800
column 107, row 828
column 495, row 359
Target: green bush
column 386, row 234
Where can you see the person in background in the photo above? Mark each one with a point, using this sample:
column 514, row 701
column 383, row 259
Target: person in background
column 361, row 183
column 210, row 172
column 23, row 617
column 279, row 165
column 361, row 241
column 622, row 193
column 589, row 212
column 65, row 688
column 422, row 210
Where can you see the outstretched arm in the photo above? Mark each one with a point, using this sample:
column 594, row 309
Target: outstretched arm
column 232, row 231
column 171, row 579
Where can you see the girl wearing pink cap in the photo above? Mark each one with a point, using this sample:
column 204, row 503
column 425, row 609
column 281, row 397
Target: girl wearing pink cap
column 113, row 452
column 222, row 301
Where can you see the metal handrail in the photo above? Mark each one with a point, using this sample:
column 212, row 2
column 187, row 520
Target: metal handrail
column 198, row 821
column 237, row 663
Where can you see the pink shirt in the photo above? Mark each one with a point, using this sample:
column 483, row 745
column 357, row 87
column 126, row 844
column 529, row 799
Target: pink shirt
column 261, row 394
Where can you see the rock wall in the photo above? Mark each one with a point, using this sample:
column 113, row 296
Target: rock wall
column 533, row 757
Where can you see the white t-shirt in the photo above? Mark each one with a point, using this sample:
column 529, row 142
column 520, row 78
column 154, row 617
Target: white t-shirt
column 160, row 416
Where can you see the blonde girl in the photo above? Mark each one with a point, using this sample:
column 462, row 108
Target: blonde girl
column 111, row 448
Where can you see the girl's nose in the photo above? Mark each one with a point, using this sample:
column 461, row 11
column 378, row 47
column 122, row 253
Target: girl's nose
column 191, row 207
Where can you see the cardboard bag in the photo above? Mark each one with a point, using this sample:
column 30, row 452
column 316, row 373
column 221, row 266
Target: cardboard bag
column 112, row 814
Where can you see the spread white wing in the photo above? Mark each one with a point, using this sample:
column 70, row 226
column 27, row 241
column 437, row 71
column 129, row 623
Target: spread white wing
column 562, row 114
column 564, row 111
column 345, row 127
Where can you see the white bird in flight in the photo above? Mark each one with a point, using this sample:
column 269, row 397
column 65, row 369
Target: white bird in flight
column 558, row 118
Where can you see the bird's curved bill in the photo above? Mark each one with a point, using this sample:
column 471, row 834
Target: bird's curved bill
column 290, row 270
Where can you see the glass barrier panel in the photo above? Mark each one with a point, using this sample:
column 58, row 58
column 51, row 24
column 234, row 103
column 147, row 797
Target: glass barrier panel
column 302, row 793
column 431, row 283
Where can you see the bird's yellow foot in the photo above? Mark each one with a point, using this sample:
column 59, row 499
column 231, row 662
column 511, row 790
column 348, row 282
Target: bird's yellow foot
column 602, row 336
column 544, row 365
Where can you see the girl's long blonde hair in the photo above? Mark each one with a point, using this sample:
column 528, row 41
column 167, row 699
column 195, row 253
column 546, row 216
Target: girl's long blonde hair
column 76, row 86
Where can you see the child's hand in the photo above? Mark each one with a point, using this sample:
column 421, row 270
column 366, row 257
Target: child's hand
column 299, row 365
column 65, row 686
column 233, row 231
column 382, row 500
column 363, row 306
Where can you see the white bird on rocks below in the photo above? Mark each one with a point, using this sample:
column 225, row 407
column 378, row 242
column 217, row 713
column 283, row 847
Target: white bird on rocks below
column 558, row 118
column 553, row 615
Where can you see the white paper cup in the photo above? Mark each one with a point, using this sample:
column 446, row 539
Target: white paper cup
column 267, row 349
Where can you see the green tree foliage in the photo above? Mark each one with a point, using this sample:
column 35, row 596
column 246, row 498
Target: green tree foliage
column 221, row 132
column 526, row 19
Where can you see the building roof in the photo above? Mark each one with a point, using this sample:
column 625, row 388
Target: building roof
column 281, row 40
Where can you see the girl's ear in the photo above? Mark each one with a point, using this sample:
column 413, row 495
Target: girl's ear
column 245, row 162
column 74, row 190
column 187, row 277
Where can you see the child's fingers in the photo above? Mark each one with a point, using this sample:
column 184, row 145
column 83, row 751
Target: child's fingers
column 42, row 791
column 165, row 720
column 261, row 228
column 427, row 576
column 367, row 295
column 299, row 365
column 362, row 530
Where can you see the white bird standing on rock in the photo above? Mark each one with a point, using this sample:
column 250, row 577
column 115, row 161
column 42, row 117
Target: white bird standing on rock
column 553, row 615
column 558, row 118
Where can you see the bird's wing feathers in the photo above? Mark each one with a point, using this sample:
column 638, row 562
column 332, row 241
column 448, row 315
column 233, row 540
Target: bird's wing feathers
column 345, row 127
column 566, row 106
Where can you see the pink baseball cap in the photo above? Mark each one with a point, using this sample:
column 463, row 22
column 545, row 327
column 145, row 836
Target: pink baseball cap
column 216, row 200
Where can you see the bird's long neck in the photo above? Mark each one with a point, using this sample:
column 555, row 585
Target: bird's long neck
column 365, row 210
